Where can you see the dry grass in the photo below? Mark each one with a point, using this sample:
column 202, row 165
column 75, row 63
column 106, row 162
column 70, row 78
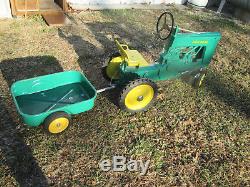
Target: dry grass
column 191, row 137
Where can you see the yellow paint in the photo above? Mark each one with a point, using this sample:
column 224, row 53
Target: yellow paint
column 58, row 125
column 139, row 97
column 200, row 42
column 122, row 48
column 112, row 70
column 132, row 57
column 201, row 80
column 135, row 58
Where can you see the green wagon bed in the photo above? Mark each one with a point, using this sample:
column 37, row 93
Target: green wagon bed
column 37, row 98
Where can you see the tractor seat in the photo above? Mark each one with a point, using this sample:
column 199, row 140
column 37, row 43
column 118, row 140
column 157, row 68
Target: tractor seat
column 135, row 58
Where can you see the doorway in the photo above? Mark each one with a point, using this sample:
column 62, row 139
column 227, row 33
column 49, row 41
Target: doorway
column 51, row 10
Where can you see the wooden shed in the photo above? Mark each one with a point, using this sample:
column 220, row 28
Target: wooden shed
column 29, row 7
column 51, row 10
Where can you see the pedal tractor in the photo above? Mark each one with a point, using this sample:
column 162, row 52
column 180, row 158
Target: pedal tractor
column 185, row 52
column 51, row 100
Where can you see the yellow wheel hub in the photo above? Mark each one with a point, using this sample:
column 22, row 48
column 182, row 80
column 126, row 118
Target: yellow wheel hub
column 139, row 97
column 58, row 125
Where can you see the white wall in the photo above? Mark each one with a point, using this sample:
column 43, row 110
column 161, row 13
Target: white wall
column 116, row 2
column 5, row 11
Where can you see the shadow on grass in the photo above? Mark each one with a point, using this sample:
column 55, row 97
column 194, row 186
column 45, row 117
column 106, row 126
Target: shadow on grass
column 229, row 92
column 103, row 32
column 221, row 86
column 28, row 67
column 141, row 37
column 91, row 58
column 88, row 55
column 214, row 23
column 17, row 154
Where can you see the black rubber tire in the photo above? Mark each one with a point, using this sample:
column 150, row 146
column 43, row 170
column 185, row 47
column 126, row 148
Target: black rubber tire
column 106, row 63
column 130, row 86
column 54, row 116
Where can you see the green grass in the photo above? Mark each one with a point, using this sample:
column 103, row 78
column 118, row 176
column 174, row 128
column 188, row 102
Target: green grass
column 192, row 137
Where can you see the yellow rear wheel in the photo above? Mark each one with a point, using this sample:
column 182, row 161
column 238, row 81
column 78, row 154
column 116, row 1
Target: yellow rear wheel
column 57, row 122
column 112, row 66
column 138, row 95
column 112, row 69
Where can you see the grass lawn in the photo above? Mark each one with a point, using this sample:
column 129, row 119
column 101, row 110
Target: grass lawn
column 192, row 137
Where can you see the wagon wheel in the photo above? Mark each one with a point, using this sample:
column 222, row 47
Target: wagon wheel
column 110, row 71
column 198, row 79
column 57, row 122
column 138, row 95
column 165, row 25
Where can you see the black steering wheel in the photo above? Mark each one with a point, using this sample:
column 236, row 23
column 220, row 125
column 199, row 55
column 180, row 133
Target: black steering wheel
column 165, row 25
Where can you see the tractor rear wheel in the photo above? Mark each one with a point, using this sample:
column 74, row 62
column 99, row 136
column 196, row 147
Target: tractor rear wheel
column 138, row 95
column 110, row 68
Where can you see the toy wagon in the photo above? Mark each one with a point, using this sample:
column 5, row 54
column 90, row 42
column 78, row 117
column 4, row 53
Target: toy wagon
column 51, row 99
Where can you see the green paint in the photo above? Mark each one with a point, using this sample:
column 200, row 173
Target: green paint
column 183, row 52
column 38, row 97
column 51, row 99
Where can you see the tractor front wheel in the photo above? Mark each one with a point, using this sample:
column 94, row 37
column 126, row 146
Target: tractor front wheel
column 138, row 95
column 198, row 79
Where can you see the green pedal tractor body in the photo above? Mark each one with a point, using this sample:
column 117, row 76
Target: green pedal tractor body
column 50, row 100
column 184, row 53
